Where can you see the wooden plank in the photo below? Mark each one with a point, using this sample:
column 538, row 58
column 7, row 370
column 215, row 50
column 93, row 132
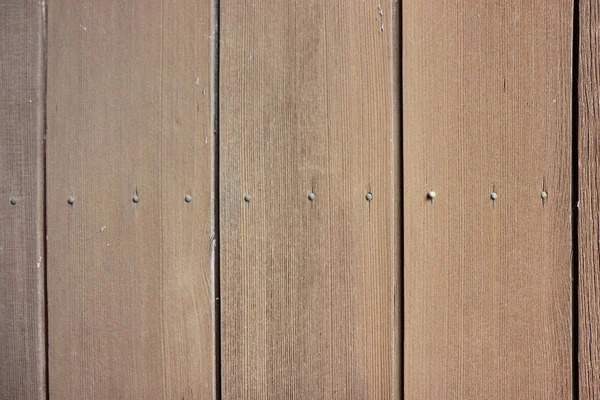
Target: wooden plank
column 487, row 107
column 22, row 292
column 309, row 288
column 130, row 296
column 589, row 200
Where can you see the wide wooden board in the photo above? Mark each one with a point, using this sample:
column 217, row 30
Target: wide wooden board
column 130, row 298
column 309, row 289
column 22, row 259
column 487, row 108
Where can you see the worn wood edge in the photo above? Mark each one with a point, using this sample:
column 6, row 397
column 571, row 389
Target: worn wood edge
column 41, row 168
column 396, row 212
column 214, row 194
column 42, row 304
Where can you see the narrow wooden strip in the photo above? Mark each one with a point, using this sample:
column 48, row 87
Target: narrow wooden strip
column 487, row 108
column 22, row 292
column 130, row 289
column 309, row 285
column 589, row 200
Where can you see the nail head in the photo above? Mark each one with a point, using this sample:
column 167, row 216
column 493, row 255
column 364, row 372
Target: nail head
column 188, row 198
column 369, row 196
column 71, row 200
column 544, row 195
column 311, row 196
column 247, row 198
column 431, row 195
column 136, row 198
column 494, row 196
column 13, row 201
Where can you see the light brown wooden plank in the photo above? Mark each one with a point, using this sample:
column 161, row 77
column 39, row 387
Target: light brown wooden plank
column 487, row 107
column 309, row 288
column 589, row 200
column 130, row 285
column 22, row 292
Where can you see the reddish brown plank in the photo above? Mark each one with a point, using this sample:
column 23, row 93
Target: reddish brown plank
column 22, row 326
column 487, row 108
column 589, row 200
column 309, row 287
column 130, row 293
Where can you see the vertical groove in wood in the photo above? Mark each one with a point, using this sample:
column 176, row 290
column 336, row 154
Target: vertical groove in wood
column 309, row 289
column 487, row 107
column 215, row 199
column 396, row 200
column 130, row 285
column 589, row 200
column 22, row 323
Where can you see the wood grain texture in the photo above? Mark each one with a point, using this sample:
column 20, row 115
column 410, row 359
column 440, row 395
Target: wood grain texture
column 487, row 107
column 22, row 292
column 130, row 296
column 309, row 288
column 589, row 200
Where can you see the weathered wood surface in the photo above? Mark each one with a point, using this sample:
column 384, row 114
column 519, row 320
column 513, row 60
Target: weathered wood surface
column 309, row 288
column 487, row 107
column 589, row 200
column 130, row 299
column 22, row 323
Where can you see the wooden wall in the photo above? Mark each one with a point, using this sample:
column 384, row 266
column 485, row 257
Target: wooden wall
column 234, row 200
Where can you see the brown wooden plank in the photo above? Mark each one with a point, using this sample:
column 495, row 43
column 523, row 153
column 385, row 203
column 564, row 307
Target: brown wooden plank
column 22, row 292
column 487, row 107
column 589, row 200
column 309, row 288
column 130, row 284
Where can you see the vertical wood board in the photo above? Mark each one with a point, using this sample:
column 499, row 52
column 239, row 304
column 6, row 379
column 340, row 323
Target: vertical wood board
column 589, row 200
column 487, row 108
column 309, row 289
column 130, row 287
column 22, row 323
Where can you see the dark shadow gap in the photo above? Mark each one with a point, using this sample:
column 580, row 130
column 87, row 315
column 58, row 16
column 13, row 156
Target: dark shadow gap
column 401, row 190
column 44, row 110
column 216, row 19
